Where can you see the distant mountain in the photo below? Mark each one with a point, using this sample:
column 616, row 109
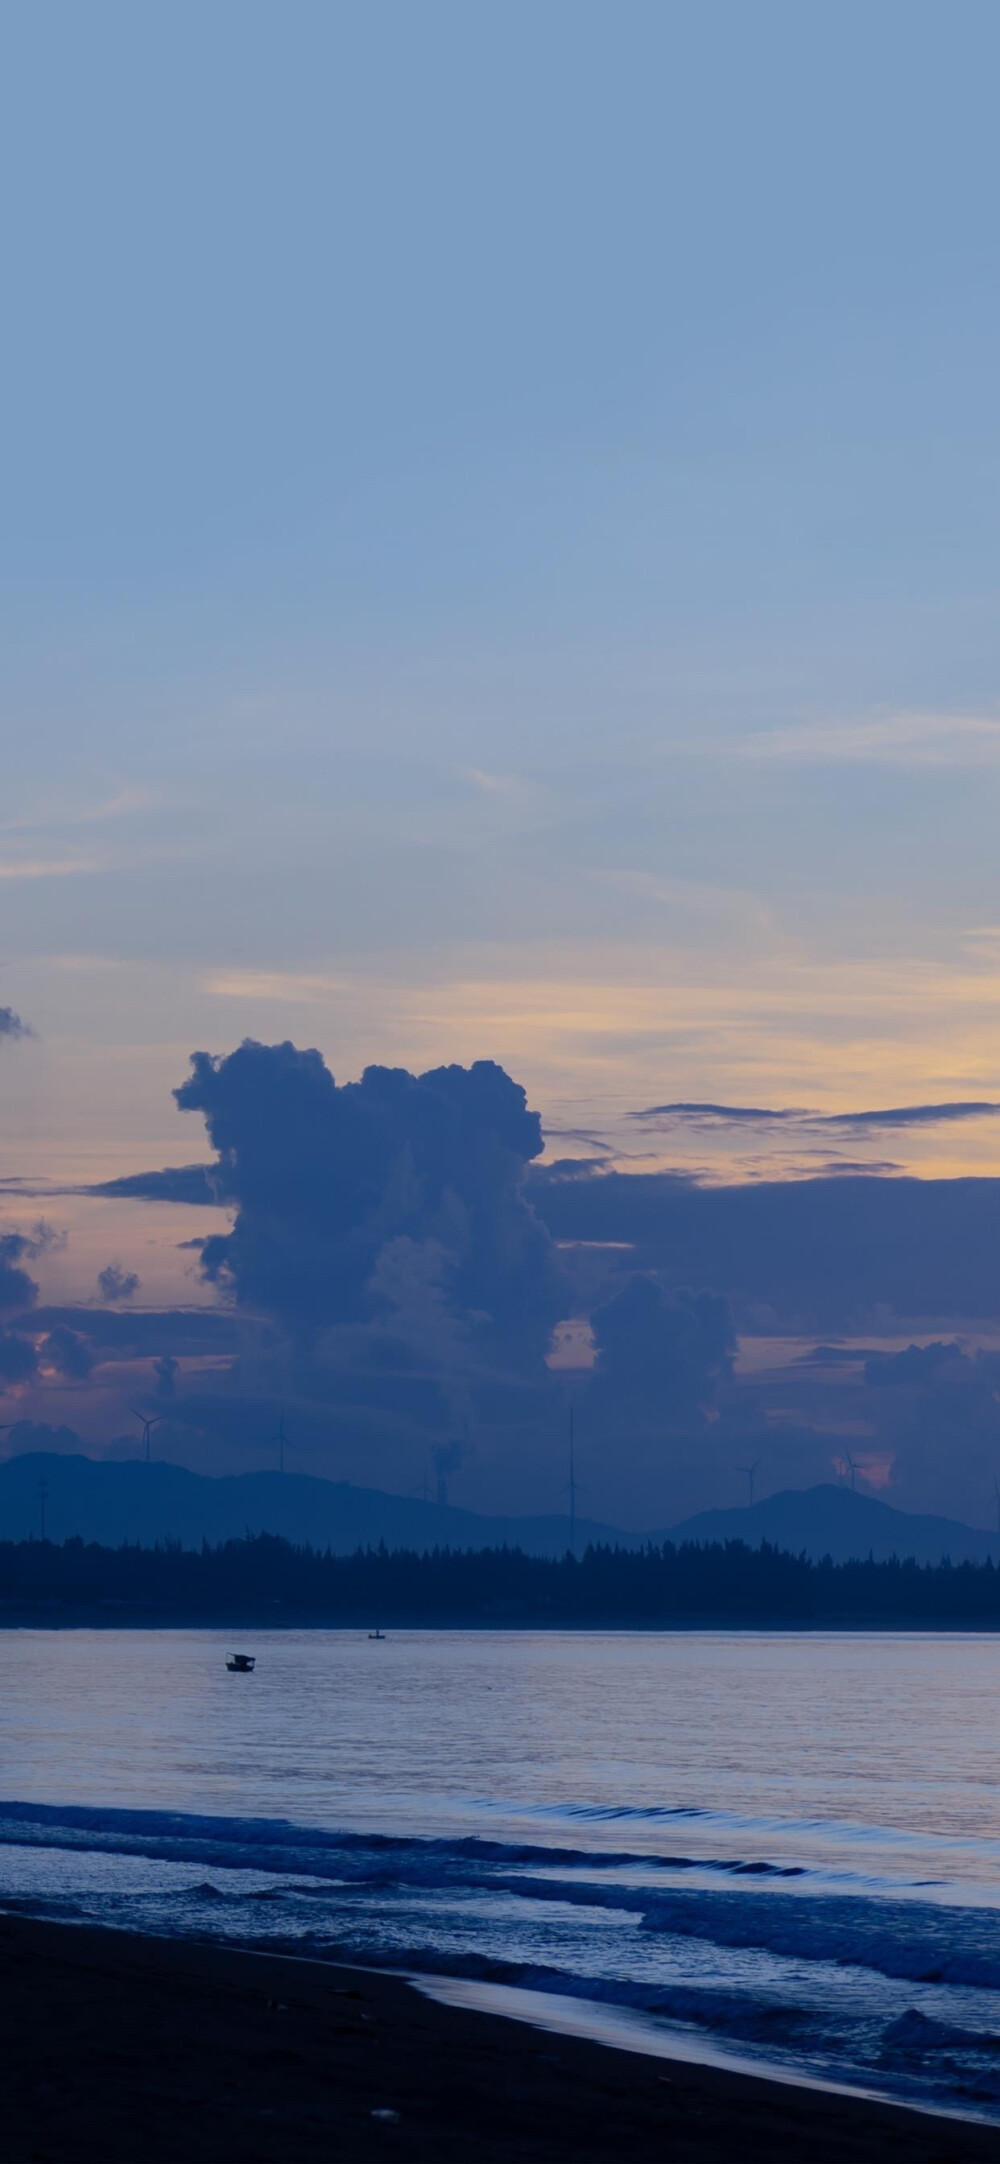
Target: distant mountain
column 836, row 1522
column 115, row 1500
column 124, row 1499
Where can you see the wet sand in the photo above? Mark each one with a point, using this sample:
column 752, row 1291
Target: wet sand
column 155, row 2051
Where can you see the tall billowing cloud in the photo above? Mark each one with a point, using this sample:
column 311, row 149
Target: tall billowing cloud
column 394, row 1201
column 661, row 1356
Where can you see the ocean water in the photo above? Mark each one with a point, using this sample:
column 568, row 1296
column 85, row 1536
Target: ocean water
column 771, row 1849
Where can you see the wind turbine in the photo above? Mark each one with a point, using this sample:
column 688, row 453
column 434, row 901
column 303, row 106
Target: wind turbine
column 281, row 1439
column 751, row 1474
column 147, row 1426
column 853, row 1470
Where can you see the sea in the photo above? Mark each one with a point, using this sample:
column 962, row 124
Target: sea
column 774, row 1851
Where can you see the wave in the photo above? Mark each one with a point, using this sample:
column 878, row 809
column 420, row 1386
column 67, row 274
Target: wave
column 905, row 1939
column 915, row 1942
column 842, row 1831
column 171, row 1834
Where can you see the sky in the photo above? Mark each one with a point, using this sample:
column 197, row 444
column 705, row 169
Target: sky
column 500, row 563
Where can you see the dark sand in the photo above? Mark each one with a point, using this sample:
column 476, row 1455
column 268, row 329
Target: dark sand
column 156, row 2051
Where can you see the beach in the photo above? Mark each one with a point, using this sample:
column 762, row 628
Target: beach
column 148, row 2051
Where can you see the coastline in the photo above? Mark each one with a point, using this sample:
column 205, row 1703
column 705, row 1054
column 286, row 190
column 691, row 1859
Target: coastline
column 182, row 2051
column 122, row 1615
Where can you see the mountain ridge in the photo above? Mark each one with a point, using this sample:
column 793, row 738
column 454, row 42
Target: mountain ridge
column 112, row 1500
column 115, row 1500
column 827, row 1520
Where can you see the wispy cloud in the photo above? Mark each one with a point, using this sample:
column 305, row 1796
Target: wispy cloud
column 84, row 964
column 849, row 1122
column 906, row 740
column 51, row 817
column 295, row 986
column 693, row 897
column 511, row 787
column 49, row 867
column 913, row 1115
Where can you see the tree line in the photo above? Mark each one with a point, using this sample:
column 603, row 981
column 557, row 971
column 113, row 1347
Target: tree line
column 268, row 1579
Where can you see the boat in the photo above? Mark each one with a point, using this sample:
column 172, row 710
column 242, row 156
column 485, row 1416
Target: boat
column 241, row 1664
column 376, row 1634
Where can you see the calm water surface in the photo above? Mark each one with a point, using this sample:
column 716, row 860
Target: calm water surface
column 784, row 1848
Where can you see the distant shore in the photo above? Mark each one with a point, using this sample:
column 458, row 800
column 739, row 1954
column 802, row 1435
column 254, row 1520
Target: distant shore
column 263, row 1578
column 121, row 1615
column 178, row 2052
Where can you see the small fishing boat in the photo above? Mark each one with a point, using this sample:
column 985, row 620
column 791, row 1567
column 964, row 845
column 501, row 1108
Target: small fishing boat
column 241, row 1664
column 376, row 1634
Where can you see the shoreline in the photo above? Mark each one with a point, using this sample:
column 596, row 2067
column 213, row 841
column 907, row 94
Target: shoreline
column 121, row 1615
column 184, row 2051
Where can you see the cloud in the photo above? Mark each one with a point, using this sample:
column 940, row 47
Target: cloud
column 906, row 740
column 584, row 1135
column 18, row 1359
column 166, row 1370
column 49, row 818
column 49, row 867
column 660, row 1356
column 326, row 1180
column 147, row 1333
column 823, row 1254
column 12, row 1027
column 297, row 987
column 17, row 1289
column 176, row 1183
column 851, row 1122
column 117, row 1284
column 510, row 788
column 916, row 1365
column 910, row 1115
column 727, row 1115
column 824, row 1356
column 848, row 1168
column 67, row 1352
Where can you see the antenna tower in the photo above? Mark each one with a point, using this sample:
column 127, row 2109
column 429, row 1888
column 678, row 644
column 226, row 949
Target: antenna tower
column 281, row 1439
column 572, row 1486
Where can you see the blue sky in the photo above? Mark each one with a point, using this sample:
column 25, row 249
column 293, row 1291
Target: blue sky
column 501, row 560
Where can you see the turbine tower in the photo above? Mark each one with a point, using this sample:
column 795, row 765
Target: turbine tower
column 853, row 1470
column 147, row 1426
column 751, row 1476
